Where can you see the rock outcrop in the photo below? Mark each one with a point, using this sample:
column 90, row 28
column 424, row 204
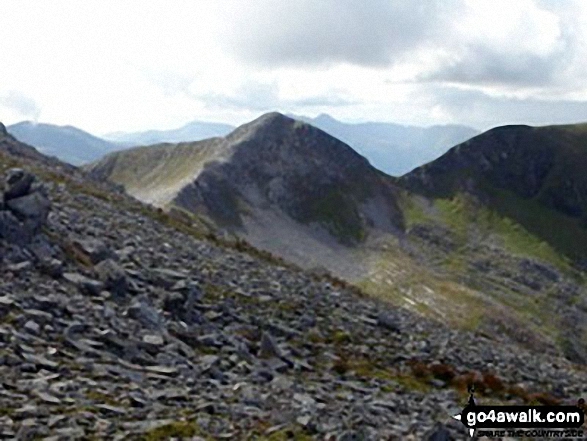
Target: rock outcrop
column 24, row 208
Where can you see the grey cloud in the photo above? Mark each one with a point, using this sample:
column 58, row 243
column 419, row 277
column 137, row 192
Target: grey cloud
column 483, row 111
column 21, row 103
column 308, row 32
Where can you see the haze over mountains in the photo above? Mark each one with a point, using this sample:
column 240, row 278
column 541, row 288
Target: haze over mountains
column 392, row 148
column 192, row 131
column 67, row 143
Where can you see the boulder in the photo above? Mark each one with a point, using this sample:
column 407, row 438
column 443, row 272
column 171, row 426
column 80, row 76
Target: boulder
column 31, row 209
column 18, row 183
column 11, row 229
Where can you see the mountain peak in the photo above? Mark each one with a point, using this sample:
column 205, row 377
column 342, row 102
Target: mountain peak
column 3, row 131
column 324, row 118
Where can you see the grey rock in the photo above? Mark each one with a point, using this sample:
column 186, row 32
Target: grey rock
column 113, row 276
column 18, row 183
column 32, row 327
column 439, row 433
column 146, row 315
column 12, row 230
column 31, row 209
column 95, row 249
column 51, row 267
column 389, row 322
column 268, row 348
column 84, row 284
column 18, row 268
column 47, row 398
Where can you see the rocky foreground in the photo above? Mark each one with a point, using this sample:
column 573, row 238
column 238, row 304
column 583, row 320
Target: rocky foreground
column 116, row 325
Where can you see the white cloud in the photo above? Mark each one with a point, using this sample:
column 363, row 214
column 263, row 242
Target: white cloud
column 110, row 65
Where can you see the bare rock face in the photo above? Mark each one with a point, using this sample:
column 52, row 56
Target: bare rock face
column 3, row 131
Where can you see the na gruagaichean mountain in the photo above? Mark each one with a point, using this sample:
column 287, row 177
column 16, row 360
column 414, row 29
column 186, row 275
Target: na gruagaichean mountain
column 118, row 320
column 261, row 180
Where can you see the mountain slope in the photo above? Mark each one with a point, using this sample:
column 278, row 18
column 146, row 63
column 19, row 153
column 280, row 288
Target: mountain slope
column 293, row 190
column 533, row 175
column 115, row 323
column 274, row 163
column 67, row 143
column 193, row 131
column 394, row 148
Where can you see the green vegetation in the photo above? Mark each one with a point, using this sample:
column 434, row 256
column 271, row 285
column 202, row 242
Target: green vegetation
column 462, row 213
column 335, row 209
column 179, row 429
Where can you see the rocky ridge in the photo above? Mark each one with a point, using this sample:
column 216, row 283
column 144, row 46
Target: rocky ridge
column 138, row 330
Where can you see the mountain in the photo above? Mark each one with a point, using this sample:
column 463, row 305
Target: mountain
column 394, row 148
column 291, row 189
column 262, row 176
column 193, row 131
column 67, row 143
column 533, row 175
column 118, row 320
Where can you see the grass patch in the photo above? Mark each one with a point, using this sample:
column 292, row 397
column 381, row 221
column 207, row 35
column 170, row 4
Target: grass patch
column 179, row 429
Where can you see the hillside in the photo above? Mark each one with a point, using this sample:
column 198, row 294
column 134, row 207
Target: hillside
column 273, row 170
column 120, row 322
column 67, row 143
column 291, row 189
column 394, row 148
column 533, row 175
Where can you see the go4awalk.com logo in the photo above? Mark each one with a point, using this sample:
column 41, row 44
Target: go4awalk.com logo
column 523, row 421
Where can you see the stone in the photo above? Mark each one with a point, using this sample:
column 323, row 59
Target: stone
column 146, row 315
column 113, row 276
column 32, row 327
column 439, row 433
column 94, row 249
column 84, row 284
column 21, row 267
column 173, row 303
column 31, row 209
column 18, row 183
column 51, row 267
column 387, row 321
column 12, row 230
column 154, row 340
column 47, row 398
column 268, row 347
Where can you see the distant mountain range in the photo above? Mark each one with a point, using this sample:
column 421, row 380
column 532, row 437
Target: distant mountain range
column 392, row 148
column 67, row 143
column 193, row 131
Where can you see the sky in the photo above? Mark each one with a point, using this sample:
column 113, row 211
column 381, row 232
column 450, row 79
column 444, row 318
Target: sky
column 107, row 66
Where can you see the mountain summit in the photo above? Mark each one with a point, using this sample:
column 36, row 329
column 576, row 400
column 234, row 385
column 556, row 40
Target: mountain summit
column 534, row 175
column 267, row 177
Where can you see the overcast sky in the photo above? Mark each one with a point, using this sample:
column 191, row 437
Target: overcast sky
column 131, row 65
